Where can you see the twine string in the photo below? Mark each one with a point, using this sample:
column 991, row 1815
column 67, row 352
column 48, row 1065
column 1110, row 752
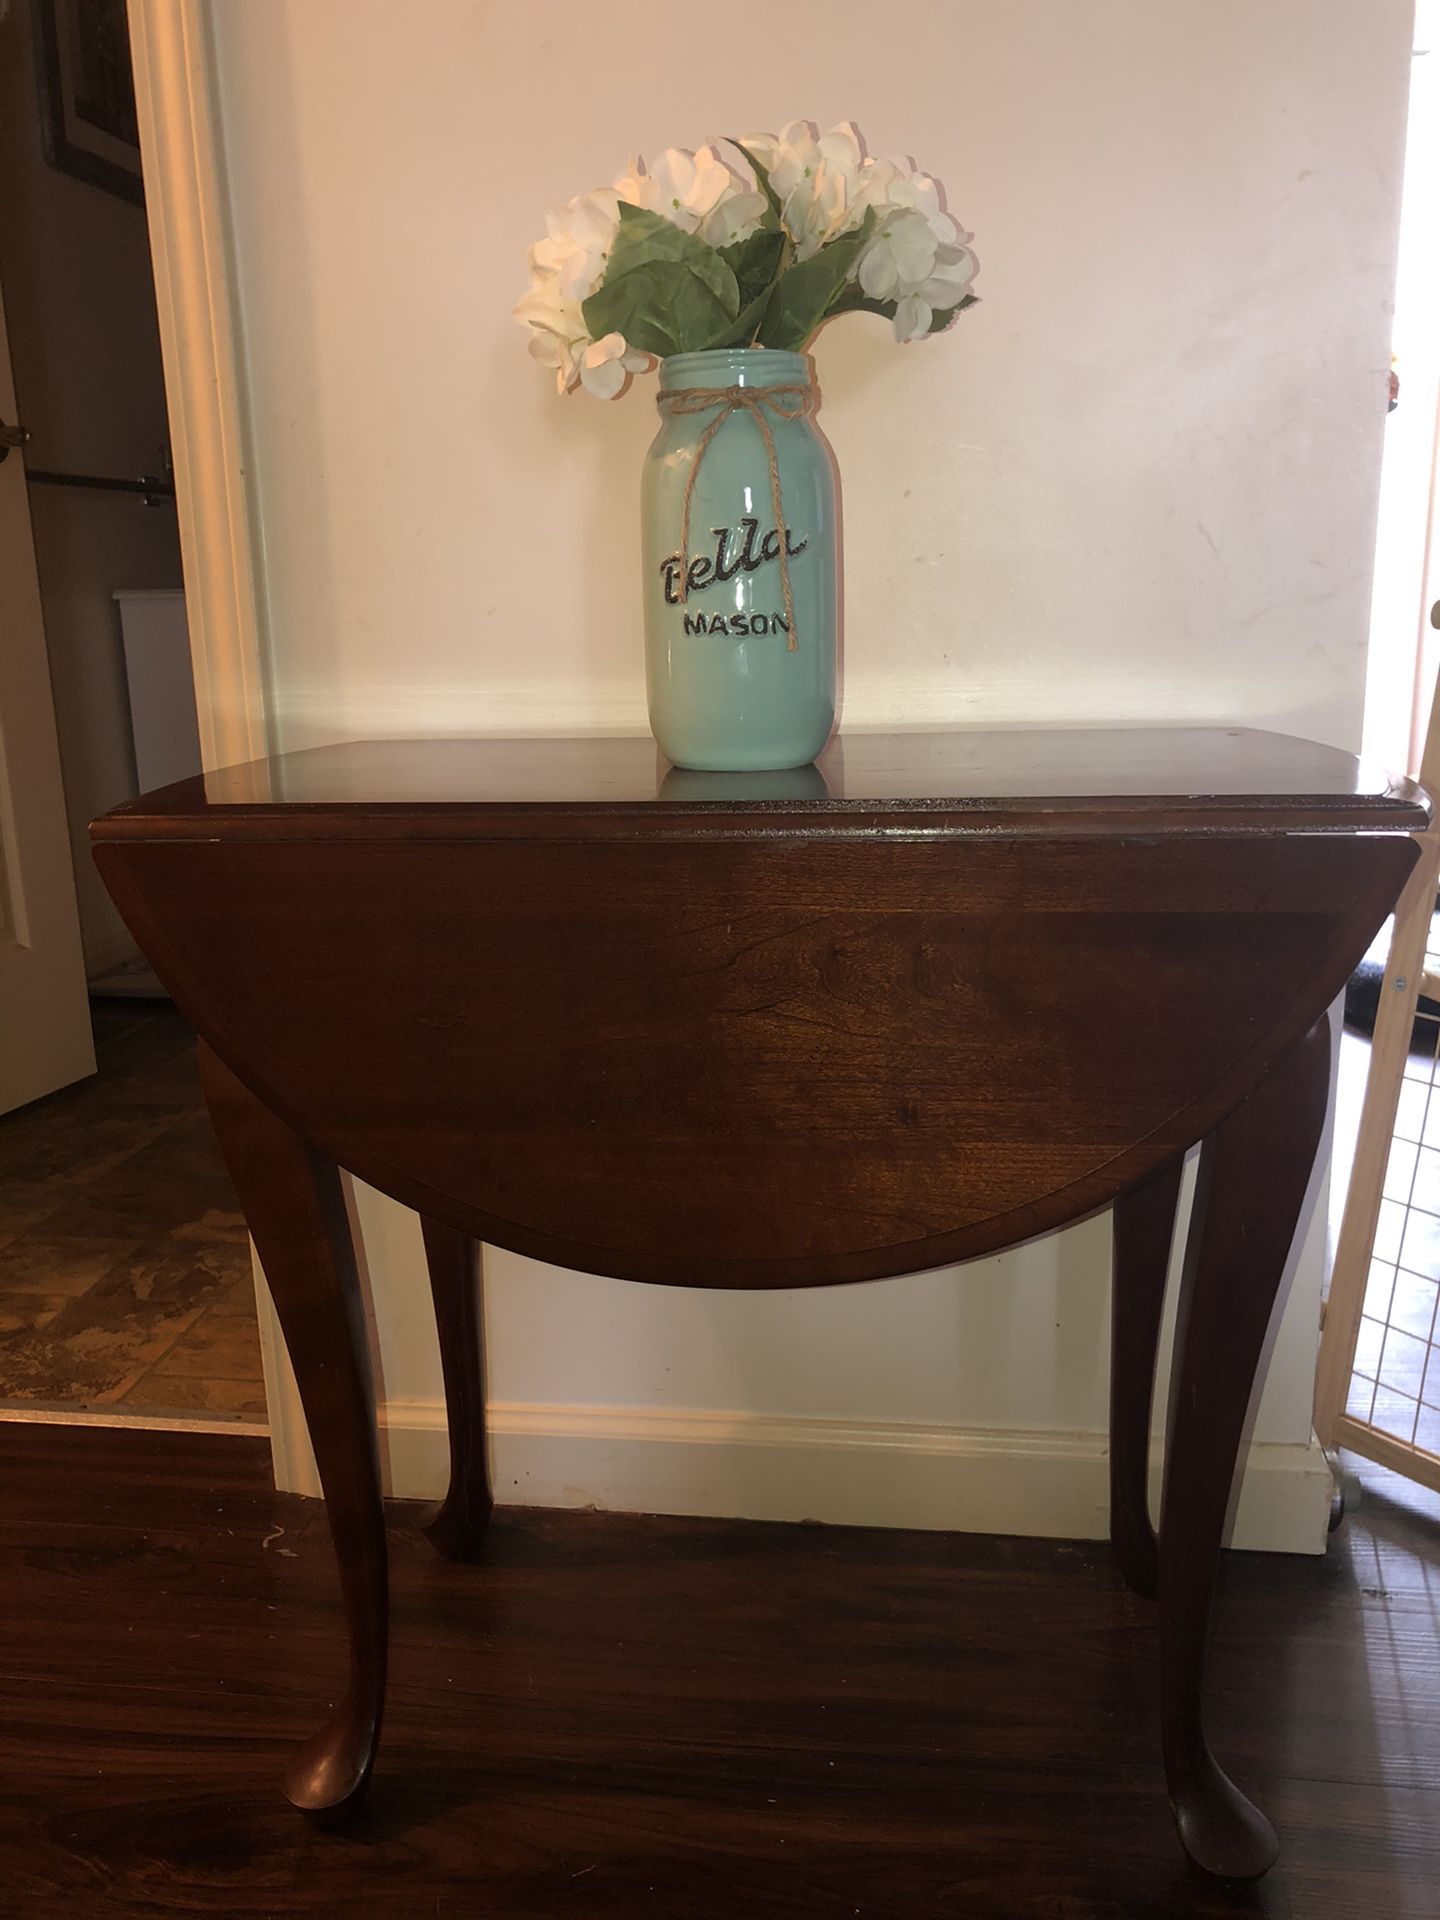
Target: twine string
column 786, row 403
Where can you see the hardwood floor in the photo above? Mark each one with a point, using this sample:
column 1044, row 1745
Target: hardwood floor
column 125, row 1281
column 618, row 1716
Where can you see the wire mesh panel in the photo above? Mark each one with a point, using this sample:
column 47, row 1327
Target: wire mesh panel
column 1395, row 1375
column 1377, row 1385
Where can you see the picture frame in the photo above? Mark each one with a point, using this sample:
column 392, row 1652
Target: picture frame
column 88, row 123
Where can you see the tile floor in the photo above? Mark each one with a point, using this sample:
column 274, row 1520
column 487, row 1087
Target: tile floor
column 125, row 1282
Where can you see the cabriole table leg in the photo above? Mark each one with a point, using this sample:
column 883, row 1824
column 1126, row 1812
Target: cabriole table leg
column 1144, row 1225
column 457, row 1526
column 1254, row 1173
column 296, row 1212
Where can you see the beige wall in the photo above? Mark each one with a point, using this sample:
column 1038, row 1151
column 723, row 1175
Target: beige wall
column 75, row 265
column 1138, row 483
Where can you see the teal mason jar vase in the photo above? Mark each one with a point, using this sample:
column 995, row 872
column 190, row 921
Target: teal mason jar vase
column 741, row 564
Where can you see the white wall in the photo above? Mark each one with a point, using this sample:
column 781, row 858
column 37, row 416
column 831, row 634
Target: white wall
column 84, row 344
column 1137, row 483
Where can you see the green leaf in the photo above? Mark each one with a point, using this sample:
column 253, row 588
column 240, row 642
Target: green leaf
column 762, row 180
column 663, row 307
column 644, row 238
column 740, row 332
column 940, row 320
column 756, row 262
column 805, row 294
column 666, row 291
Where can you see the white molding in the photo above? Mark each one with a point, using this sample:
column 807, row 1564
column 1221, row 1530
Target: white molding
column 220, row 544
column 194, row 294
column 739, row 1465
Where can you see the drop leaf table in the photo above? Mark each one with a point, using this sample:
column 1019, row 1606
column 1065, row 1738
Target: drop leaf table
column 927, row 999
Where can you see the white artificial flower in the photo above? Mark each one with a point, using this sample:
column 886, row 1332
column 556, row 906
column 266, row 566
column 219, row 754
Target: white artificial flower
column 577, row 243
column 917, row 256
column 606, row 362
column 900, row 256
column 635, row 188
column 896, row 183
column 566, row 267
column 913, row 315
column 741, row 208
column 736, row 217
column 949, row 282
column 691, row 185
column 558, row 334
column 843, row 151
column 700, row 193
column 942, row 292
column 815, row 178
column 559, row 339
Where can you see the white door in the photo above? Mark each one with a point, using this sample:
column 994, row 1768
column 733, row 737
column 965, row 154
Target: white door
column 44, row 1013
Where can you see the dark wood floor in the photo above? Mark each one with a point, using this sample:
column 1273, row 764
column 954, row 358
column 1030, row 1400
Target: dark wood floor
column 619, row 1716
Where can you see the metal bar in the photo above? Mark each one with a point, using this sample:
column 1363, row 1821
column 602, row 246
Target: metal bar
column 154, row 489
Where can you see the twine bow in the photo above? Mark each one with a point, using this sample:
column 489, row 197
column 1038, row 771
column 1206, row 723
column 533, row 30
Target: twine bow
column 786, row 403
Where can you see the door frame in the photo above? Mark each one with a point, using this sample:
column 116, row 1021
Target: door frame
column 192, row 251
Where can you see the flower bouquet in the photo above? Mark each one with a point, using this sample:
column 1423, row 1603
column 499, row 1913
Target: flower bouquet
column 723, row 264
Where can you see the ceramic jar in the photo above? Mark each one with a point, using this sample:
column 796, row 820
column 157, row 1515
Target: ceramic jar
column 740, row 601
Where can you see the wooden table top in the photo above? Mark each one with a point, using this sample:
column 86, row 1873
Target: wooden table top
column 1169, row 779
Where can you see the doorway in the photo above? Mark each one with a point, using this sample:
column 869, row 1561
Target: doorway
column 125, row 1277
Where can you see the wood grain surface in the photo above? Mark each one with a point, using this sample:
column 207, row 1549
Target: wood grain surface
column 755, row 1062
column 619, row 1716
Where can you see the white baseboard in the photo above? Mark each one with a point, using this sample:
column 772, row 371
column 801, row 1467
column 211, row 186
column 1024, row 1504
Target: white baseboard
column 768, row 1467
